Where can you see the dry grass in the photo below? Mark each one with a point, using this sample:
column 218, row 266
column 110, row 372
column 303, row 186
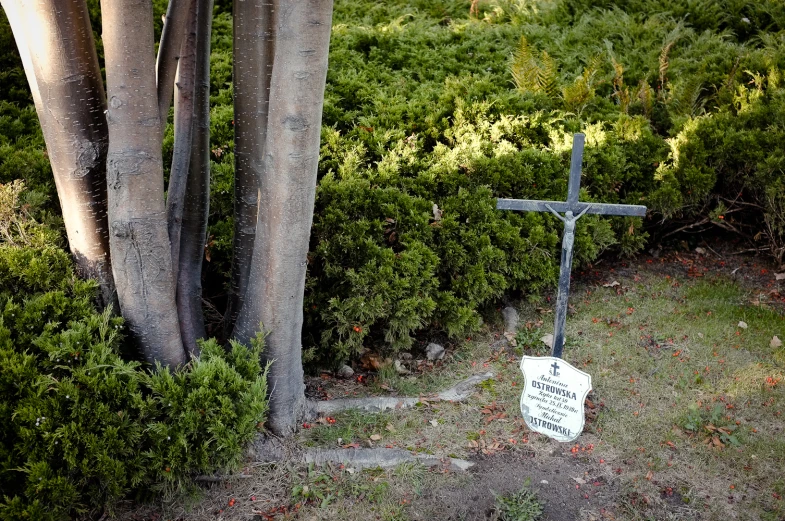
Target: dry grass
column 670, row 367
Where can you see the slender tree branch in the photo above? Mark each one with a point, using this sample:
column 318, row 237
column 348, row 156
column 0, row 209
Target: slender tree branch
column 253, row 39
column 686, row 227
column 196, row 206
column 183, row 136
column 175, row 26
column 221, row 479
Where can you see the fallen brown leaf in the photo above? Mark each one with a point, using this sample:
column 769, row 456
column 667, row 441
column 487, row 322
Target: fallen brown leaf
column 371, row 361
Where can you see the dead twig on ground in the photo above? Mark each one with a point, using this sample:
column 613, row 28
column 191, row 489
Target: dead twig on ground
column 218, row 479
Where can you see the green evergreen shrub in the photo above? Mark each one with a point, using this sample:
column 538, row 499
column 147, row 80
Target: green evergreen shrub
column 426, row 105
column 13, row 83
column 387, row 262
column 80, row 427
column 727, row 168
column 22, row 153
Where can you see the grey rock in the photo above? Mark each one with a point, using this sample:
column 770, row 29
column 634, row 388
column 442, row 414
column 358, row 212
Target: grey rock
column 345, row 371
column 434, row 351
column 385, row 458
column 462, row 390
column 400, row 368
column 405, row 356
column 510, row 315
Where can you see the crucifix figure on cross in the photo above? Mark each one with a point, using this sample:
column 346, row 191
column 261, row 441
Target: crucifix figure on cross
column 573, row 210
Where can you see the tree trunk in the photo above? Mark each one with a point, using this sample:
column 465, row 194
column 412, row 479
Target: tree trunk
column 58, row 52
column 15, row 13
column 139, row 240
column 197, row 194
column 169, row 53
column 253, row 62
column 183, row 137
column 277, row 278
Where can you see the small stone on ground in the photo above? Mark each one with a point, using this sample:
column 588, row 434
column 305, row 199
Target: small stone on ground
column 434, row 351
column 510, row 315
column 400, row 368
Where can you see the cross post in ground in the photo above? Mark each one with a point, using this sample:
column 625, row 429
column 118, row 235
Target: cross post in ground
column 573, row 210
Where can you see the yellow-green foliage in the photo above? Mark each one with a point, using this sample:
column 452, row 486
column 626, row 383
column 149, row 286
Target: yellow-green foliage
column 539, row 74
column 19, row 209
column 706, row 76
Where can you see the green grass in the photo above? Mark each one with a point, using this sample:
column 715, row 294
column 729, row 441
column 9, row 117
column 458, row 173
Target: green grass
column 672, row 372
column 673, row 366
column 520, row 506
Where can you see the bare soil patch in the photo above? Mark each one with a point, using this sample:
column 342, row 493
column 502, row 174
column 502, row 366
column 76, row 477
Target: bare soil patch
column 570, row 488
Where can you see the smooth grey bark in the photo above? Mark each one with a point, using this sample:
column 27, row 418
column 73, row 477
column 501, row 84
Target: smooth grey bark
column 276, row 283
column 58, row 53
column 16, row 19
column 457, row 393
column 270, row 449
column 183, row 136
column 253, row 41
column 139, row 241
column 169, row 53
column 197, row 194
column 381, row 457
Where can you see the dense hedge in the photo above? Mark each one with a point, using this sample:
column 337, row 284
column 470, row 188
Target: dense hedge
column 80, row 427
column 427, row 105
column 422, row 109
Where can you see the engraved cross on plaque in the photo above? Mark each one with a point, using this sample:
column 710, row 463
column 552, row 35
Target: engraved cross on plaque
column 573, row 210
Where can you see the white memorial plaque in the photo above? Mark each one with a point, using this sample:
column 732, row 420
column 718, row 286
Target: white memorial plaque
column 553, row 397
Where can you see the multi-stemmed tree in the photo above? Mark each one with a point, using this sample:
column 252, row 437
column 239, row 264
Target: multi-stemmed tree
column 143, row 244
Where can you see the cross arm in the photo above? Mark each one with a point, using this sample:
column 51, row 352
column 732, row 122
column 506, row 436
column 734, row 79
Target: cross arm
column 524, row 205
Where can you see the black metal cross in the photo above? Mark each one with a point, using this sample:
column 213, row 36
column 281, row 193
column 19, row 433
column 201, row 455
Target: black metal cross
column 573, row 210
